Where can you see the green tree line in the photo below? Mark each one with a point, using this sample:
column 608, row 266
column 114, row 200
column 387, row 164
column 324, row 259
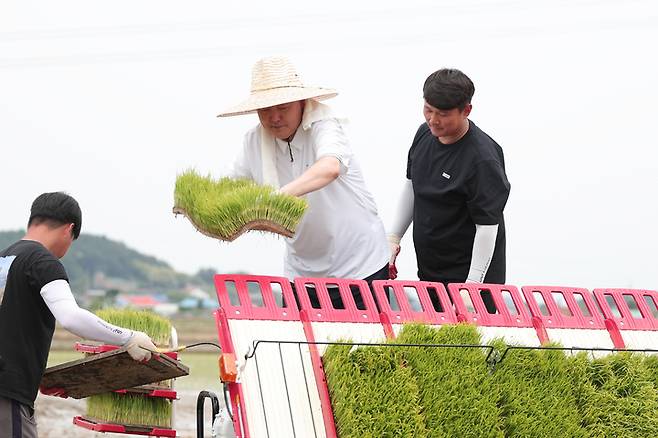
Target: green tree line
column 91, row 255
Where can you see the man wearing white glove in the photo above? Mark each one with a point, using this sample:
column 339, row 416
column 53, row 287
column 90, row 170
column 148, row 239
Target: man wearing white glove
column 34, row 293
column 455, row 191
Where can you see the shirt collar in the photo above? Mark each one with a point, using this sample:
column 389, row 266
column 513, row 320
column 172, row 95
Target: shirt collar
column 313, row 111
column 295, row 143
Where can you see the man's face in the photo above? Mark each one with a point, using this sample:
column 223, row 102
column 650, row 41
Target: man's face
column 64, row 239
column 282, row 120
column 445, row 123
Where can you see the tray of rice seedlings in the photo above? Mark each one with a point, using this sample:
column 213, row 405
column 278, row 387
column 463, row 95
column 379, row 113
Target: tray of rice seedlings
column 112, row 368
column 457, row 392
column 109, row 371
column 537, row 394
column 226, row 208
column 617, row 397
column 134, row 408
column 373, row 393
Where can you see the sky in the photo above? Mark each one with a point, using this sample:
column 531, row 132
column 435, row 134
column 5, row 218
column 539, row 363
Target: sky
column 109, row 101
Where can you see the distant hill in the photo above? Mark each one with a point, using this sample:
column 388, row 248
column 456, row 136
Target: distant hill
column 96, row 262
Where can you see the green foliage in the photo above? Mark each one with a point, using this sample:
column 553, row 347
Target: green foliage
column 617, row 397
column 450, row 392
column 9, row 237
column 130, row 409
column 537, row 394
column 651, row 362
column 157, row 327
column 91, row 255
column 374, row 394
column 222, row 207
column 457, row 393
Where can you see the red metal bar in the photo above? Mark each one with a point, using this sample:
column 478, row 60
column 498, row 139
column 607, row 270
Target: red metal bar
column 327, row 312
column 240, row 424
column 385, row 319
column 556, row 318
column 627, row 321
column 406, row 313
column 503, row 316
column 158, row 393
column 246, row 309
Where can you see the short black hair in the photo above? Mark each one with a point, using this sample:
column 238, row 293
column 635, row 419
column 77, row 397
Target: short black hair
column 57, row 208
column 447, row 89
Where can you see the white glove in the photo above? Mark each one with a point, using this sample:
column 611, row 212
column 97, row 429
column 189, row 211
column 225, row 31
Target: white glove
column 139, row 346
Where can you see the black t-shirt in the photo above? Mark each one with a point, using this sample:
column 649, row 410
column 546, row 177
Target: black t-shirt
column 26, row 323
column 455, row 187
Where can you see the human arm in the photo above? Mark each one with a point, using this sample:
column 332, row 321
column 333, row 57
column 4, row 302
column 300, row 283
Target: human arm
column 489, row 190
column 332, row 155
column 320, row 174
column 484, row 244
column 402, row 220
column 58, row 297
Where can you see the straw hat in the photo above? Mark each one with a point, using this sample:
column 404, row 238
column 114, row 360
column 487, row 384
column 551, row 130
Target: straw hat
column 275, row 81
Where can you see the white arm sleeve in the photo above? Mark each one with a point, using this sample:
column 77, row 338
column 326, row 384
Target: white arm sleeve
column 404, row 213
column 483, row 249
column 59, row 299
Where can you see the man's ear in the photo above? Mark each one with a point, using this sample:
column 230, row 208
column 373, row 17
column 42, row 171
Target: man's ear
column 467, row 109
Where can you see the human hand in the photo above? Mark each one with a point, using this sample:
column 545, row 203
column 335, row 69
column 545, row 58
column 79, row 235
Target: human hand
column 392, row 269
column 140, row 346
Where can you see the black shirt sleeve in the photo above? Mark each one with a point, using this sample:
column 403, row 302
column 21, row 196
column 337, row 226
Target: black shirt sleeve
column 419, row 134
column 45, row 269
column 487, row 192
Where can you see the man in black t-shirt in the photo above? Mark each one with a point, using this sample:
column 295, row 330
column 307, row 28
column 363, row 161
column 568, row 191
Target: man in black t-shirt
column 455, row 192
column 34, row 292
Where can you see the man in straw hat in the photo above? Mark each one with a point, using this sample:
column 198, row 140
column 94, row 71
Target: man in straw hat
column 455, row 191
column 34, row 292
column 300, row 147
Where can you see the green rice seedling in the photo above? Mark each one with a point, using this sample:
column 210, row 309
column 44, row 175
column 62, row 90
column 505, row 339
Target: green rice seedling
column 618, row 398
column 373, row 392
column 651, row 362
column 537, row 394
column 157, row 327
column 130, row 409
column 457, row 392
column 134, row 408
column 226, row 208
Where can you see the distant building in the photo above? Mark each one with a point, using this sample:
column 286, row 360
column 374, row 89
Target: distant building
column 166, row 309
column 157, row 304
column 138, row 301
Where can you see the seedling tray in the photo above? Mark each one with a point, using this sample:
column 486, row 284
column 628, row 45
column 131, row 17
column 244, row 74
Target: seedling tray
column 109, row 371
column 150, row 391
column 255, row 225
column 98, row 426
